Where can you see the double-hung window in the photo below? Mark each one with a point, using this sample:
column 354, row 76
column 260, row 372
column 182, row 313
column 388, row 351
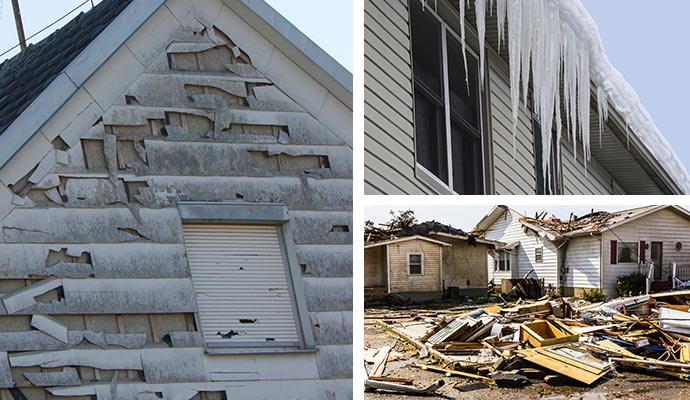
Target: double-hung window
column 415, row 264
column 448, row 141
column 503, row 261
column 245, row 274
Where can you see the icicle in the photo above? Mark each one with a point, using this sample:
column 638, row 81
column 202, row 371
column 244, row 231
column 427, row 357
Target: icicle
column 602, row 110
column 501, row 7
column 424, row 5
column 464, row 45
column 491, row 7
column 584, row 100
column 527, row 29
column 514, row 48
column 480, row 7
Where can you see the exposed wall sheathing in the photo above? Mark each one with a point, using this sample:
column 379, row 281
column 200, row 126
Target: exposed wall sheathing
column 97, row 299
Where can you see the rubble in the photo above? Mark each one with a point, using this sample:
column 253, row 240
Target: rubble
column 557, row 341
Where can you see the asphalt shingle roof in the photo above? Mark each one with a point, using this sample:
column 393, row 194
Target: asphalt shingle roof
column 26, row 75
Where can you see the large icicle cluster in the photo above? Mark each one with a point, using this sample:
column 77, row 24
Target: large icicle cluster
column 554, row 40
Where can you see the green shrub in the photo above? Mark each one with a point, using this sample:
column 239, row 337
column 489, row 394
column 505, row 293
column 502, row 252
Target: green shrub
column 593, row 295
column 634, row 284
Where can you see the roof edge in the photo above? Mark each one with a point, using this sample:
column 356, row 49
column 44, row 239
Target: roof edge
column 406, row 239
column 68, row 81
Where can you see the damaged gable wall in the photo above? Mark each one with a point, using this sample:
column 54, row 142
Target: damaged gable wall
column 97, row 299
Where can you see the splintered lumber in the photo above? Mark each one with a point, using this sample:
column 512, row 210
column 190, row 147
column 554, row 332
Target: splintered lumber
column 394, row 387
column 570, row 361
column 435, row 353
column 380, row 361
column 452, row 372
column 649, row 362
column 402, row 381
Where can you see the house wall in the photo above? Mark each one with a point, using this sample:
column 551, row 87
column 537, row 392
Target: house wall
column 464, row 266
column 508, row 229
column 665, row 226
column 401, row 282
column 90, row 223
column 375, row 265
column 389, row 119
column 582, row 263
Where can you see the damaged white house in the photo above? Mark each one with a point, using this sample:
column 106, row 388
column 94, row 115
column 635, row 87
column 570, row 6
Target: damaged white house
column 503, row 97
column 592, row 251
column 175, row 208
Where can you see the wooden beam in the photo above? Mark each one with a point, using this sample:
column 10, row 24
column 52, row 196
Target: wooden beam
column 20, row 25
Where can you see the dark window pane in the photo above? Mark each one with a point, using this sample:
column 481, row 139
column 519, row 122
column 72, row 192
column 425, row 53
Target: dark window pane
column 430, row 135
column 415, row 258
column 467, row 161
column 426, row 49
column 462, row 104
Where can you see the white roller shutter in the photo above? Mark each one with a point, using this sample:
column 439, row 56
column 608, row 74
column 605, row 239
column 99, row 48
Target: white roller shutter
column 240, row 282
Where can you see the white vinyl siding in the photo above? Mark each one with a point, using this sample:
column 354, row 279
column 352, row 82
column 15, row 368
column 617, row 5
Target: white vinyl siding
column 583, row 262
column 239, row 276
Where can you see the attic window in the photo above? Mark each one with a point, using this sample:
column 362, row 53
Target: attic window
column 539, row 254
column 415, row 264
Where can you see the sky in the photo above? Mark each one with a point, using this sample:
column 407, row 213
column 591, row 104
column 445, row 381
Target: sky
column 466, row 217
column 330, row 27
column 647, row 42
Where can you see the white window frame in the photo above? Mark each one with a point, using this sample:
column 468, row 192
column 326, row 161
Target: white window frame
column 539, row 254
column 506, row 256
column 421, row 256
column 420, row 171
column 243, row 213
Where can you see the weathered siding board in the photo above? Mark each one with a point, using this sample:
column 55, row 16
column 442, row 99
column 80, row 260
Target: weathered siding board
column 583, row 262
column 664, row 226
column 93, row 239
column 400, row 281
column 464, row 265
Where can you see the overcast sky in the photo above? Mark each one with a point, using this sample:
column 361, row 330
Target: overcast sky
column 647, row 42
column 330, row 27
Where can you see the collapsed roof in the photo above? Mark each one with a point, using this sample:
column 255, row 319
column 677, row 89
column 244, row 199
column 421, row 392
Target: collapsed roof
column 373, row 234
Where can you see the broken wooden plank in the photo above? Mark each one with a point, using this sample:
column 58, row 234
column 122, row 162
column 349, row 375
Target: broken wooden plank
column 380, row 361
column 435, row 353
column 452, row 372
column 394, row 387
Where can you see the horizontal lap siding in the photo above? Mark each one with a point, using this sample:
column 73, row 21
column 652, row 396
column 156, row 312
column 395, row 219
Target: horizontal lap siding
column 662, row 226
column 511, row 175
column 583, row 263
column 508, row 229
column 388, row 101
column 374, row 266
column 578, row 182
column 400, row 281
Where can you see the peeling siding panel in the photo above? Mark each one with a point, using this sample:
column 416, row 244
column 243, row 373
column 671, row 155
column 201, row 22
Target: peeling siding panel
column 664, row 226
column 400, row 281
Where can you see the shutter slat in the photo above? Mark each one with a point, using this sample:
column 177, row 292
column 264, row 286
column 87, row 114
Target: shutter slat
column 238, row 272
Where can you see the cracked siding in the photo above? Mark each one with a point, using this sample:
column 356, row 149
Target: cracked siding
column 97, row 298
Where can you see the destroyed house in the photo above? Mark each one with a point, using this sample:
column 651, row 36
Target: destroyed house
column 427, row 261
column 592, row 251
column 175, row 208
column 503, row 97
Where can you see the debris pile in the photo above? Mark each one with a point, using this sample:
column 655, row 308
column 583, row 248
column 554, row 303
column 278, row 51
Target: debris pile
column 374, row 234
column 553, row 340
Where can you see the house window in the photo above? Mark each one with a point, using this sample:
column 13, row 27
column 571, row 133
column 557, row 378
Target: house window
column 539, row 254
column 448, row 143
column 415, row 264
column 552, row 186
column 248, row 290
column 503, row 261
column 627, row 252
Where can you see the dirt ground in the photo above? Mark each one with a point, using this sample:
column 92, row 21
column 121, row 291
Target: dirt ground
column 627, row 385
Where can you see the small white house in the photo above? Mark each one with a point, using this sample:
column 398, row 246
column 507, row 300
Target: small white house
column 590, row 255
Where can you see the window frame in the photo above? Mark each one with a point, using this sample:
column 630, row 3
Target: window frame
column 422, row 173
column 634, row 252
column 539, row 254
column 421, row 263
column 505, row 256
column 243, row 213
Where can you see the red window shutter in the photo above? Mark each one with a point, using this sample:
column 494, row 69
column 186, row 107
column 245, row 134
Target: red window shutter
column 614, row 252
column 642, row 251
